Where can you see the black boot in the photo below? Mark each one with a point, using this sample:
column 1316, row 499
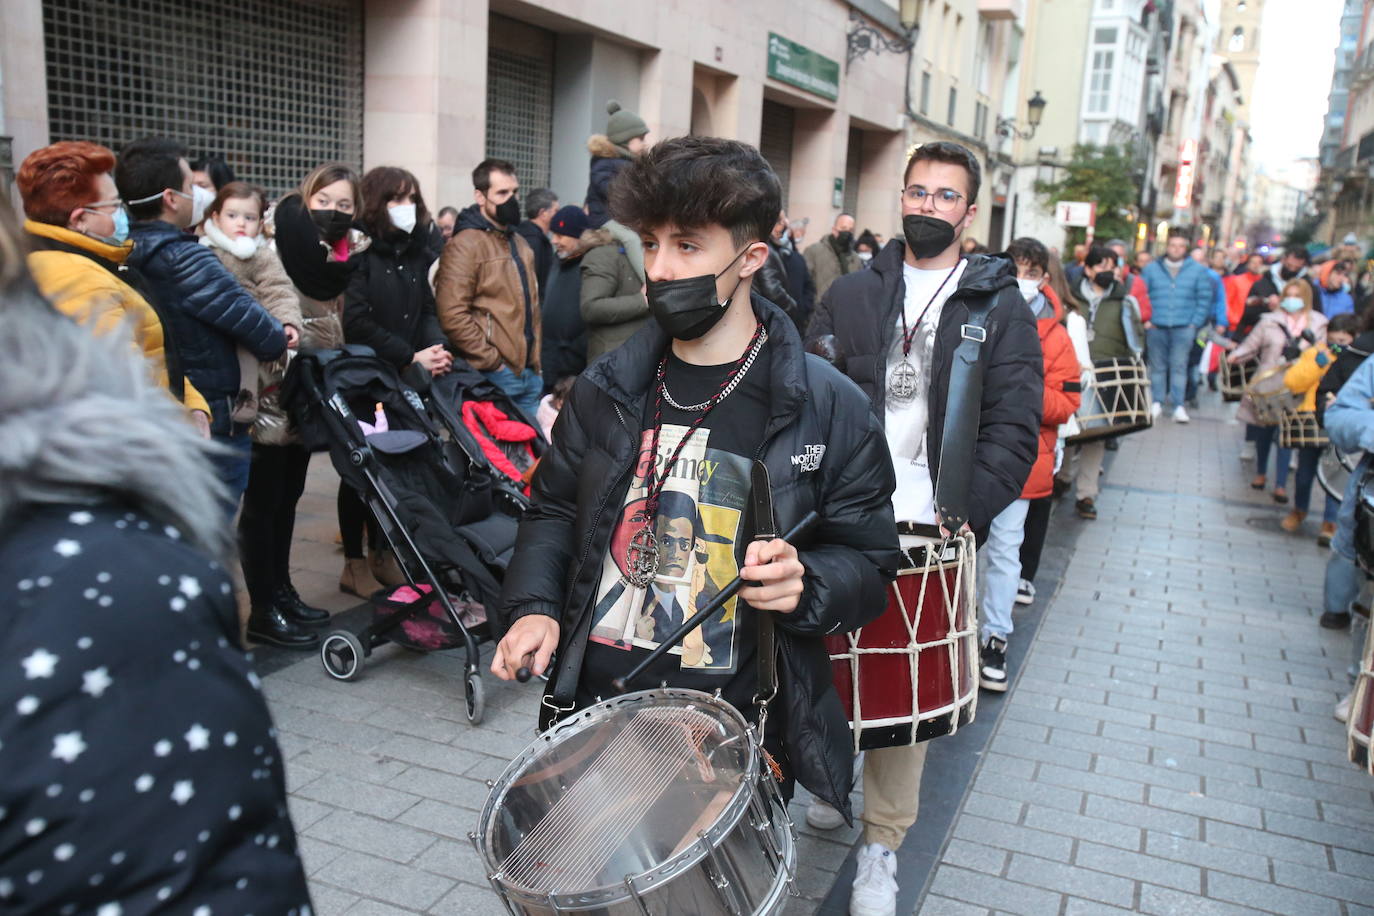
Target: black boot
column 270, row 625
column 287, row 600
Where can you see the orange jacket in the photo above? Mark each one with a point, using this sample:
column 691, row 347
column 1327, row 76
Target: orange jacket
column 1237, row 291
column 1062, row 395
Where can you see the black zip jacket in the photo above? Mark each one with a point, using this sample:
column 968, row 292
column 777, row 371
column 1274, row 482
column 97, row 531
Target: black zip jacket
column 861, row 311
column 389, row 305
column 850, row 557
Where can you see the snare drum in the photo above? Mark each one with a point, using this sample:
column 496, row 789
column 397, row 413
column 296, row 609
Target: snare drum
column 1334, row 470
column 1235, row 378
column 654, row 802
column 1116, row 401
column 1299, row 429
column 912, row 674
column 1270, row 397
column 1360, row 725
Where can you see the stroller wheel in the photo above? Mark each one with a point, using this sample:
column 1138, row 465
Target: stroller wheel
column 341, row 653
column 475, row 695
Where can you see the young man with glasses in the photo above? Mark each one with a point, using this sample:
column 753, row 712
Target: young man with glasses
column 895, row 328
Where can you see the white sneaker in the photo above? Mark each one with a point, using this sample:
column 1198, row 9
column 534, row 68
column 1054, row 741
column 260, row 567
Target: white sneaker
column 1180, row 415
column 822, row 816
column 1343, row 708
column 1155, row 410
column 875, row 885
column 1025, row 592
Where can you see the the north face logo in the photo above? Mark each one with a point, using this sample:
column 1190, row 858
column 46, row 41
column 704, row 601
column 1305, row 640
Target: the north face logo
column 809, row 460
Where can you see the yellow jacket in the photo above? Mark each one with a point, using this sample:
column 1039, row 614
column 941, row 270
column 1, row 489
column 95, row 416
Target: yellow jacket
column 1305, row 374
column 90, row 294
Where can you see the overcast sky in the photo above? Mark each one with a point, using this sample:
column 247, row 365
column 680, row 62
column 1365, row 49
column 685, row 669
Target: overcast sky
column 1298, row 41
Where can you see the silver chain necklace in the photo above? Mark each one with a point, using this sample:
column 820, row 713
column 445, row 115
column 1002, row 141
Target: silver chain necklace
column 739, row 377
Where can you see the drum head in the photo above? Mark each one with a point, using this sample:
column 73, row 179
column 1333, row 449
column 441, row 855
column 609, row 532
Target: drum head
column 1333, row 472
column 622, row 788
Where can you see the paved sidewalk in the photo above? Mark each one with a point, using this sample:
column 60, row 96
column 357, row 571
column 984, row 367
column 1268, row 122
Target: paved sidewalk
column 1169, row 747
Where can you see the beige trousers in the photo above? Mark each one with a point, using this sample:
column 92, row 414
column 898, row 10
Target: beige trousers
column 1083, row 467
column 892, row 792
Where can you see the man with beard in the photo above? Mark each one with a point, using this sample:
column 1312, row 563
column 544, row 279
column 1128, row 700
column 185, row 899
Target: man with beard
column 1293, row 264
column 486, row 291
column 896, row 327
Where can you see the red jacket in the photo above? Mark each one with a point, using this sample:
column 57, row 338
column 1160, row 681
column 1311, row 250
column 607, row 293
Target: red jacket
column 1139, row 290
column 1237, row 291
column 1062, row 395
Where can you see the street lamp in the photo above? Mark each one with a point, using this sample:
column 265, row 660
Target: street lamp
column 1035, row 111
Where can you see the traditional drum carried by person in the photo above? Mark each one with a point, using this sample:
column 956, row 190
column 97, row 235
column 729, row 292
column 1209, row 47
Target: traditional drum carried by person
column 1270, row 397
column 1299, row 428
column 658, row 801
column 1235, row 377
column 1115, row 402
column 1364, row 524
column 912, row 674
column 1334, row 470
column 1361, row 722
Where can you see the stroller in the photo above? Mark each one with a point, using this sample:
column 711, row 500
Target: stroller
column 449, row 516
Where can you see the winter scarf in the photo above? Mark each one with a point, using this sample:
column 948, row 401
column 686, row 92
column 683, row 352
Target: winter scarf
column 304, row 254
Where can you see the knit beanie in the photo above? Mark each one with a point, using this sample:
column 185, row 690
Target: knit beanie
column 623, row 126
column 569, row 221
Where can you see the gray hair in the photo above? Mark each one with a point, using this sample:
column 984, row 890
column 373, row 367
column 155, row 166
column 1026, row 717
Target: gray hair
column 82, row 422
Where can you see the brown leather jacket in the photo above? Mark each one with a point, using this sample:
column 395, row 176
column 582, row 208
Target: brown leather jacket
column 480, row 297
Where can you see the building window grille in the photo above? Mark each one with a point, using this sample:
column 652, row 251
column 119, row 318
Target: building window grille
column 274, row 107
column 775, row 141
column 925, row 93
column 953, row 105
column 520, row 99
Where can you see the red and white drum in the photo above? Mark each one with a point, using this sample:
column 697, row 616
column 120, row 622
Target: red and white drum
column 1360, row 725
column 912, row 674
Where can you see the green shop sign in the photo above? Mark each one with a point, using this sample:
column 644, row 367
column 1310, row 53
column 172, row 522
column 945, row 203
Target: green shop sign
column 789, row 62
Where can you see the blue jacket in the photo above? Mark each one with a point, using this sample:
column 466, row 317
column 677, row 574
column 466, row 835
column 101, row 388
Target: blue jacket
column 1175, row 302
column 1219, row 317
column 209, row 312
column 1349, row 423
column 1337, row 302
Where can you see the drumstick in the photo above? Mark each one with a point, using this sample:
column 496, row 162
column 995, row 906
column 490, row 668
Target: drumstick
column 701, row 616
column 522, row 674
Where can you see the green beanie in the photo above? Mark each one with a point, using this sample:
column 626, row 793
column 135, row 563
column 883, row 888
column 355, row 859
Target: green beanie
column 623, row 126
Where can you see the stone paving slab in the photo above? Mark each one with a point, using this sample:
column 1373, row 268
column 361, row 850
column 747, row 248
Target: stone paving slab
column 1174, row 713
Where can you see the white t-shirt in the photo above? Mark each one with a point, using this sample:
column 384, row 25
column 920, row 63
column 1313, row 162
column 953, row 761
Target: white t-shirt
column 914, row 498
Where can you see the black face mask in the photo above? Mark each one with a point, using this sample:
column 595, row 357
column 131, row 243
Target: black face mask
column 926, row 236
column 1287, row 274
column 844, row 240
column 1104, row 279
column 508, row 212
column 333, row 224
column 688, row 308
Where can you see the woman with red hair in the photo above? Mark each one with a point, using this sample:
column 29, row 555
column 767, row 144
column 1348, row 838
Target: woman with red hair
column 79, row 232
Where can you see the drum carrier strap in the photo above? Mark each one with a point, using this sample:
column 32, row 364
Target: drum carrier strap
column 962, row 410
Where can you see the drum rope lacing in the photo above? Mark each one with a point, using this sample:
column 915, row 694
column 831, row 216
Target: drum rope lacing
column 958, row 600
column 593, row 819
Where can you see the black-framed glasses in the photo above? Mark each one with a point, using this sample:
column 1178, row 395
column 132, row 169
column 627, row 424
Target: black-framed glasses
column 944, row 199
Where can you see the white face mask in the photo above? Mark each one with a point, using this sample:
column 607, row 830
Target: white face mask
column 865, row 256
column 402, row 217
column 201, row 199
column 1029, row 288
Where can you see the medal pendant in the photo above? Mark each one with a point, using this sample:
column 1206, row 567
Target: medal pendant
column 641, row 558
column 901, row 384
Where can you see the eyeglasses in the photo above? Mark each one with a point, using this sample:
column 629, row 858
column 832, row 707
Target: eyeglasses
column 117, row 202
column 944, row 200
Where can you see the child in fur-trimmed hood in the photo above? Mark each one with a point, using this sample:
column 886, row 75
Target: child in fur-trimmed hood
column 233, row 231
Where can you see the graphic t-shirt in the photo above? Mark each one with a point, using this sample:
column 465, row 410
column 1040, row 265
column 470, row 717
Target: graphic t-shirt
column 914, row 498
column 702, row 531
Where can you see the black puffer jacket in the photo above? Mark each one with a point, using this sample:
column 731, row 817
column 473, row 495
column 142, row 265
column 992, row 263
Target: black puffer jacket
column 851, row 557
column 388, row 304
column 208, row 312
column 861, row 310
column 771, row 283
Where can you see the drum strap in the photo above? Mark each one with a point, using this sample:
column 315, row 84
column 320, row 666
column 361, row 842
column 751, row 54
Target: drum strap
column 962, row 410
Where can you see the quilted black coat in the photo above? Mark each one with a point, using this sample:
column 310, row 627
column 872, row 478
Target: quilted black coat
column 851, row 556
